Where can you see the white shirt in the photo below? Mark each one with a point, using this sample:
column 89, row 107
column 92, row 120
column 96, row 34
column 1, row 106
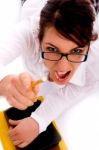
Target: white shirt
column 23, row 41
column 32, row 8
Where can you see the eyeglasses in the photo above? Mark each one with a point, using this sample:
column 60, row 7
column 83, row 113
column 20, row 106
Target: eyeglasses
column 54, row 56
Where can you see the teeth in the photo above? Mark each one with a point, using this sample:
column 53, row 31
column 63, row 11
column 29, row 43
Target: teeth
column 61, row 73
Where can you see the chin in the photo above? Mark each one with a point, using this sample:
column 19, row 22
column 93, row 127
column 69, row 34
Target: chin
column 60, row 83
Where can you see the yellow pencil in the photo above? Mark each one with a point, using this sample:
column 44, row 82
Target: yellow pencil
column 33, row 84
column 38, row 82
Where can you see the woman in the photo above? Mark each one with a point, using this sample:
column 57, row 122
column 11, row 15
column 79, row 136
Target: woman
column 63, row 39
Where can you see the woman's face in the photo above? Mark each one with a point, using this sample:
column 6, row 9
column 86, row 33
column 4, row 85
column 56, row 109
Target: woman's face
column 62, row 70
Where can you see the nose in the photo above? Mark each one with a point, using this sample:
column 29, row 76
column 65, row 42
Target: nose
column 63, row 62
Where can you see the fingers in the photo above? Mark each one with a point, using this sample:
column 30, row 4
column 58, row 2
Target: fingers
column 14, row 122
column 26, row 80
column 17, row 142
column 30, row 93
column 14, row 134
column 24, row 132
column 23, row 144
column 20, row 144
column 18, row 90
column 12, row 101
column 22, row 98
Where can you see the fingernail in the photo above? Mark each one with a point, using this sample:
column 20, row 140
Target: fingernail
column 26, row 84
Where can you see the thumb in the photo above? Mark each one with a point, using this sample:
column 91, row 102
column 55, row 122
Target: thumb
column 26, row 80
column 14, row 122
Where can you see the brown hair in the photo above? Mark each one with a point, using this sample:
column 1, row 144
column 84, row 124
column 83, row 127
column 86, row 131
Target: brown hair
column 73, row 19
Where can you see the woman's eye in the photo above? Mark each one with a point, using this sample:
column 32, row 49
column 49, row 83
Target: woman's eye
column 77, row 51
column 51, row 49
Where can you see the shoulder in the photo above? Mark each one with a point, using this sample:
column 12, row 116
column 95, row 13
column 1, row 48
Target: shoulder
column 93, row 62
column 96, row 24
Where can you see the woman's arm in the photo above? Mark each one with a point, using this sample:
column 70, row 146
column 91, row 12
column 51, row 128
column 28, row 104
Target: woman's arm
column 14, row 44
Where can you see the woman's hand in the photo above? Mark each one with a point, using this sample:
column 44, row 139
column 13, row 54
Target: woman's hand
column 24, row 131
column 18, row 90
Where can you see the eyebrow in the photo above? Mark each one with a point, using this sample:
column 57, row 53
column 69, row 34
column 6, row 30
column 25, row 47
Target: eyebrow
column 58, row 48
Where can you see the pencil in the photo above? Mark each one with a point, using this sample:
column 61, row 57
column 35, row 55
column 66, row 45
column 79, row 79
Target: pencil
column 38, row 82
column 33, row 84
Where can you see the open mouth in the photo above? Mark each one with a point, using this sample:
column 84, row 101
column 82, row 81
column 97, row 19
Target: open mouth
column 62, row 75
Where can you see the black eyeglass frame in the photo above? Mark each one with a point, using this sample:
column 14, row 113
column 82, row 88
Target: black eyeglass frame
column 66, row 55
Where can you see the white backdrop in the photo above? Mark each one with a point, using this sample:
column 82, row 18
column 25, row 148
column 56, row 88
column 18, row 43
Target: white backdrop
column 9, row 14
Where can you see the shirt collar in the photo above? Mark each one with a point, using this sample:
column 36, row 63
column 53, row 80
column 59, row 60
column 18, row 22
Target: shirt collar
column 79, row 77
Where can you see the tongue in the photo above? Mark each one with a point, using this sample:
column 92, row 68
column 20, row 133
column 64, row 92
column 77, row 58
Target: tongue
column 63, row 75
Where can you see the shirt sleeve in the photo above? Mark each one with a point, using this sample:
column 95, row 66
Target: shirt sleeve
column 53, row 105
column 32, row 8
column 16, row 43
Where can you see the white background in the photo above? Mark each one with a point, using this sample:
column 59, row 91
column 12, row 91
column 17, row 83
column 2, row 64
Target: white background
column 80, row 125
